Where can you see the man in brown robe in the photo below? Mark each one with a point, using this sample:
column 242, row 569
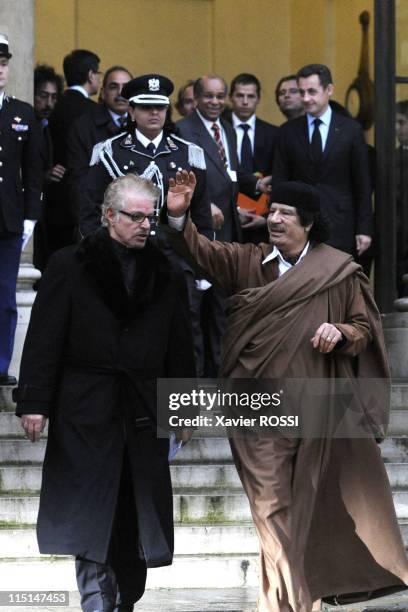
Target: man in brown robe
column 322, row 507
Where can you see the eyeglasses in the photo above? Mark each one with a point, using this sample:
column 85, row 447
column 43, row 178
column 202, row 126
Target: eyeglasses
column 138, row 217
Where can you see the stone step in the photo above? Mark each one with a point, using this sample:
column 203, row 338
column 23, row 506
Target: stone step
column 198, row 450
column 207, row 506
column 204, row 571
column 184, row 476
column 199, row 505
column 177, row 600
column 222, row 539
column 21, row 451
column 202, row 539
column 6, row 402
column 399, row 397
column 394, row 450
column 238, row 599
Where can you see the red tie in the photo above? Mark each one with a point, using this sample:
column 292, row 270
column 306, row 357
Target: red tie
column 217, row 138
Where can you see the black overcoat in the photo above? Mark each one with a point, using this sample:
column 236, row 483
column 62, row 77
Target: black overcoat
column 90, row 362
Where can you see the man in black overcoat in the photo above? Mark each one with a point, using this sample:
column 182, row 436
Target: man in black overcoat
column 110, row 317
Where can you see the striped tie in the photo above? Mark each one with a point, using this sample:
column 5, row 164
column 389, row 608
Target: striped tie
column 217, row 137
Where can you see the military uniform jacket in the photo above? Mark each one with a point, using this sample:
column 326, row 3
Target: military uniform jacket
column 21, row 165
column 124, row 154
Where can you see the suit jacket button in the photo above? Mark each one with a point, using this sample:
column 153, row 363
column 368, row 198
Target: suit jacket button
column 1, row 148
column 1, row 179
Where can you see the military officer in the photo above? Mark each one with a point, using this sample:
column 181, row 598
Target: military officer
column 148, row 149
column 20, row 200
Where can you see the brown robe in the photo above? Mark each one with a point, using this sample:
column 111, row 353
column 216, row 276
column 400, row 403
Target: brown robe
column 322, row 508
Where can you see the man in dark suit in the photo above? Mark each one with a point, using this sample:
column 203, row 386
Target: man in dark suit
column 255, row 137
column 255, row 149
column 225, row 179
column 48, row 86
column 81, row 70
column 21, row 175
column 101, row 122
column 328, row 150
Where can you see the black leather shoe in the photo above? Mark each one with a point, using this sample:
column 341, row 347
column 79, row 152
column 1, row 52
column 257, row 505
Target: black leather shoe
column 7, row 381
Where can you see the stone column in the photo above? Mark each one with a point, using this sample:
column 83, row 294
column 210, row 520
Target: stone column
column 17, row 22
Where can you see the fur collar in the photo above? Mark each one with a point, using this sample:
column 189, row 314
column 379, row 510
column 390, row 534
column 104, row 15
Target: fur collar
column 99, row 259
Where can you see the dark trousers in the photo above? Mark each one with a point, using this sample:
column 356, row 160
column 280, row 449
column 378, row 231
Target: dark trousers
column 208, row 323
column 10, row 252
column 115, row 585
column 213, row 326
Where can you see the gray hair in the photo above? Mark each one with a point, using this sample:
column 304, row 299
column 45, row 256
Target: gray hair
column 117, row 192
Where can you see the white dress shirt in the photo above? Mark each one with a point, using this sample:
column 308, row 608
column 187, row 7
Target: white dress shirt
column 81, row 90
column 208, row 124
column 2, row 94
column 323, row 127
column 115, row 117
column 284, row 265
column 145, row 141
column 236, row 122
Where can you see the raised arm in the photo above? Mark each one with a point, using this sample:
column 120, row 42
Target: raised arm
column 218, row 260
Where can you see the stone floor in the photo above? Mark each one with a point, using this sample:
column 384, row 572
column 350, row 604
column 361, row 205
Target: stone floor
column 219, row 600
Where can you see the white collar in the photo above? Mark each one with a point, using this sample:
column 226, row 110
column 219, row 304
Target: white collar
column 145, row 141
column 276, row 253
column 81, row 90
column 2, row 94
column 207, row 122
column 325, row 118
column 236, row 121
column 115, row 116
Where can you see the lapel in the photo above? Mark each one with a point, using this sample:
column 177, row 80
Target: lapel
column 302, row 133
column 335, row 129
column 259, row 144
column 6, row 114
column 231, row 143
column 206, row 142
column 163, row 148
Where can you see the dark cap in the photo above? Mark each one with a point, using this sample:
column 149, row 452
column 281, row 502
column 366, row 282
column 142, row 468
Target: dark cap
column 4, row 46
column 297, row 194
column 148, row 89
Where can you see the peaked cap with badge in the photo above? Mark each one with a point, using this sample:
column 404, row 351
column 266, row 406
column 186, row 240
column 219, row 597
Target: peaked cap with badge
column 124, row 154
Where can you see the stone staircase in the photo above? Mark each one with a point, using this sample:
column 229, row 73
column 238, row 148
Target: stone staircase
column 215, row 542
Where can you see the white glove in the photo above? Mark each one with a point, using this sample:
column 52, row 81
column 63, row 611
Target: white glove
column 202, row 284
column 29, row 225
